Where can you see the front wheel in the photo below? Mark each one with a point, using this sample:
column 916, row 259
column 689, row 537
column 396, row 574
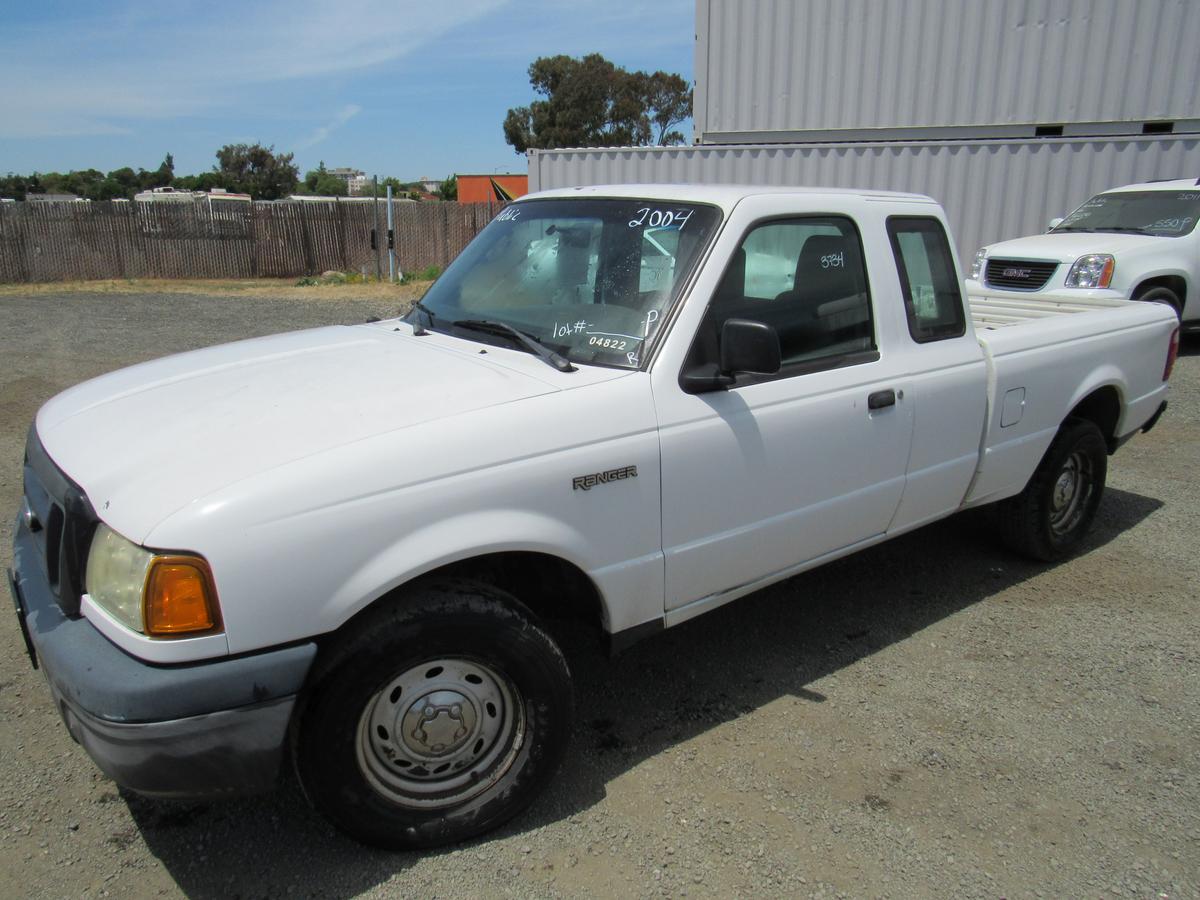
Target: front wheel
column 435, row 718
column 1050, row 517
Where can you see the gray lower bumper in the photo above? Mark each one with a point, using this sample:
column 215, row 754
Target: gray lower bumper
column 234, row 751
column 187, row 731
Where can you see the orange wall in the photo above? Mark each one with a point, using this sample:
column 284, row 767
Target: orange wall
column 479, row 188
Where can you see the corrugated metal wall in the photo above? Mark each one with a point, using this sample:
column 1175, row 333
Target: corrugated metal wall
column 991, row 190
column 768, row 67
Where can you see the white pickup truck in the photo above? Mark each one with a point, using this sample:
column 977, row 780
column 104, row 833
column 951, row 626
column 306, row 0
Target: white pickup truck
column 1137, row 242
column 630, row 404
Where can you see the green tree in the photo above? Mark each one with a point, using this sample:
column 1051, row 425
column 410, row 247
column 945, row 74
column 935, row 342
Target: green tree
column 257, row 170
column 90, row 183
column 668, row 102
column 399, row 189
column 590, row 102
column 318, row 181
column 448, row 189
column 160, row 177
column 18, row 187
column 205, row 181
column 85, row 183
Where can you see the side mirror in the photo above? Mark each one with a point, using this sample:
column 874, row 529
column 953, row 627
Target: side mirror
column 1055, row 222
column 749, row 346
column 746, row 346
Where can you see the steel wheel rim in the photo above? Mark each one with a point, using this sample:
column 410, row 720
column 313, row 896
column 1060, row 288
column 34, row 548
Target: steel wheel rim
column 440, row 733
column 1070, row 493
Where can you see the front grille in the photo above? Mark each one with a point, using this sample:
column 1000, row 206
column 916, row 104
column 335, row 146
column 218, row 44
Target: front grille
column 62, row 521
column 1019, row 274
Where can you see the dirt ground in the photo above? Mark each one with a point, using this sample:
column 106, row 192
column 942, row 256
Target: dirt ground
column 934, row 717
column 273, row 288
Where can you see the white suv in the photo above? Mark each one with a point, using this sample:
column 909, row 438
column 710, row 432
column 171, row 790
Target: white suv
column 1137, row 242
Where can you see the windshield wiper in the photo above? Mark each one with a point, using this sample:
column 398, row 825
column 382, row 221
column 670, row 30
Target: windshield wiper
column 1126, row 229
column 530, row 343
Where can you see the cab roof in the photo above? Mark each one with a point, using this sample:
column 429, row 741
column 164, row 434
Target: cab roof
column 1172, row 184
column 724, row 195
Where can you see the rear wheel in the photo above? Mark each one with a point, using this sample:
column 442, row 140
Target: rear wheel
column 1049, row 518
column 1161, row 295
column 435, row 718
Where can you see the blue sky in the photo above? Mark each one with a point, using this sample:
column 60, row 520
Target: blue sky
column 398, row 88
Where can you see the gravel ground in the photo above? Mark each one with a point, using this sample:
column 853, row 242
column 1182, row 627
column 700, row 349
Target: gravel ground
column 934, row 717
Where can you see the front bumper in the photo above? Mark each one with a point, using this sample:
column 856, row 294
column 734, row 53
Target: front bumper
column 185, row 731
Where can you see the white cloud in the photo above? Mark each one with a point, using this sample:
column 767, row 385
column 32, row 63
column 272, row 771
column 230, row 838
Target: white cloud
column 164, row 61
column 344, row 115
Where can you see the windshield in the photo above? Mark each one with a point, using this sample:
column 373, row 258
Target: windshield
column 1161, row 213
column 591, row 279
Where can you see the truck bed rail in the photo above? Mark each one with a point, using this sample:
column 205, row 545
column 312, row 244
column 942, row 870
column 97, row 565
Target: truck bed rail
column 990, row 312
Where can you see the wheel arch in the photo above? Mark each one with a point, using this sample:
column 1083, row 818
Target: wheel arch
column 1177, row 283
column 1102, row 406
column 548, row 584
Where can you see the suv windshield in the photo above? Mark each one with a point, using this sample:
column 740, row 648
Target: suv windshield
column 590, row 279
column 1161, row 213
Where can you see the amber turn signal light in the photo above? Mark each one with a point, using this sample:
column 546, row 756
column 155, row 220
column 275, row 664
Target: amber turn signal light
column 180, row 597
column 1106, row 273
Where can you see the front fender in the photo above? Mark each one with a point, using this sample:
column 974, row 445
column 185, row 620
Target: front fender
column 451, row 540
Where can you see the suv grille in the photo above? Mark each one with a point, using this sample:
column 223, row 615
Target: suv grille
column 62, row 521
column 1019, row 274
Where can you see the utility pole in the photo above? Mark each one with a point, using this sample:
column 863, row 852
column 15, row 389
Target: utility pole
column 391, row 239
column 375, row 231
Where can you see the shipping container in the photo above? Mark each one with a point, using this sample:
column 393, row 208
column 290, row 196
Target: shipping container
column 991, row 190
column 770, row 71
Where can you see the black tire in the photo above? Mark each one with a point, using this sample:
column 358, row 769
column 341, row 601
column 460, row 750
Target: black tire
column 1161, row 295
column 468, row 663
column 1049, row 518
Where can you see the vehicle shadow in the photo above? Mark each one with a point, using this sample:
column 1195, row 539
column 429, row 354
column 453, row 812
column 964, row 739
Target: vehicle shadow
column 660, row 693
column 1189, row 344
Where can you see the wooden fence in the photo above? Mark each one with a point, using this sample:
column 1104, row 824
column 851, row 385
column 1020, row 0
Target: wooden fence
column 83, row 241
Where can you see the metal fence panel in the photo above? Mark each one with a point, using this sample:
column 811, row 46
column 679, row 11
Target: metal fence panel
column 992, row 190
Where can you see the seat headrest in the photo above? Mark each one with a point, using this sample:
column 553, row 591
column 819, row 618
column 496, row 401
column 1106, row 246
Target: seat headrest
column 823, row 253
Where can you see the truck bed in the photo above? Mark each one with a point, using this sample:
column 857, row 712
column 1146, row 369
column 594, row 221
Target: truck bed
column 989, row 312
column 1041, row 371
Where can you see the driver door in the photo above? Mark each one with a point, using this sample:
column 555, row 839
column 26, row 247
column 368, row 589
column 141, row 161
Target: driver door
column 781, row 470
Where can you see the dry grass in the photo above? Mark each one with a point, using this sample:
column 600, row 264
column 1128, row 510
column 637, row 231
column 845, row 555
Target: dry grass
column 256, row 287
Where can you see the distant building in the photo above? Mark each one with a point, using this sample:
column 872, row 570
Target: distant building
column 52, row 198
column 491, row 188
column 431, row 185
column 355, row 180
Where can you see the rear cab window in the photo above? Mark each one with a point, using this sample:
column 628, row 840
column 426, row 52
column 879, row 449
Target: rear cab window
column 932, row 293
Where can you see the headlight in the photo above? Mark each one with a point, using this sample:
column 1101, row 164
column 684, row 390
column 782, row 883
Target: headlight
column 978, row 264
column 155, row 594
column 116, row 576
column 1092, row 271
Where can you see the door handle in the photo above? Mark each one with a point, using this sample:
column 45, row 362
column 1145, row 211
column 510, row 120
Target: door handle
column 880, row 399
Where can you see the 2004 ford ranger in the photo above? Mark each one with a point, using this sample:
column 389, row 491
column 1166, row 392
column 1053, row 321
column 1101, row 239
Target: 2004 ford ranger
column 632, row 403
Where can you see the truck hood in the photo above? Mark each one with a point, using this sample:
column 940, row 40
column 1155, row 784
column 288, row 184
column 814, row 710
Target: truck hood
column 1069, row 246
column 145, row 441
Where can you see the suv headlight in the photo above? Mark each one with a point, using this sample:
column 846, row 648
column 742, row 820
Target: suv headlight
column 1092, row 271
column 978, row 265
column 160, row 595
